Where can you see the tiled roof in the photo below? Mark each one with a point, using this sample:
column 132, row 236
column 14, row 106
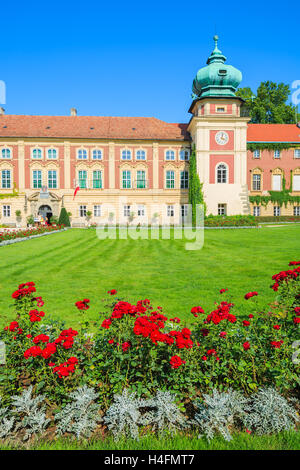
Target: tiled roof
column 89, row 127
column 273, row 133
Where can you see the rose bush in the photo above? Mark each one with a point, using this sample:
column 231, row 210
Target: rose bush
column 138, row 346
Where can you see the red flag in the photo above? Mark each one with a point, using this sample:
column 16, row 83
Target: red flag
column 75, row 192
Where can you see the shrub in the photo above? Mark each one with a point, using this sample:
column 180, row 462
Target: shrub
column 64, row 218
column 31, row 414
column 123, row 416
column 164, row 414
column 269, row 412
column 7, row 422
column 81, row 416
column 219, row 412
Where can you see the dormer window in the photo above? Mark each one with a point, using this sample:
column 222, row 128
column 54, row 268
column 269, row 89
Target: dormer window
column 220, row 110
column 222, row 72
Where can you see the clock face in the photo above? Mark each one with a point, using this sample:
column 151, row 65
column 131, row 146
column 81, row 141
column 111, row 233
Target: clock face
column 222, row 138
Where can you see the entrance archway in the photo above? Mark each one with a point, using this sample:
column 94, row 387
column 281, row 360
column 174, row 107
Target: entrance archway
column 46, row 212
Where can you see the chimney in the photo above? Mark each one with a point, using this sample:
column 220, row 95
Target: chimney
column 2, row 111
column 73, row 112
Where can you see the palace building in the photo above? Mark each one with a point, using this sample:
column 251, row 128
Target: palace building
column 130, row 166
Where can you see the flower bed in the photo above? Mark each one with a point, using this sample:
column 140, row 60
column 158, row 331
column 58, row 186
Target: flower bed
column 230, row 221
column 7, row 235
column 137, row 347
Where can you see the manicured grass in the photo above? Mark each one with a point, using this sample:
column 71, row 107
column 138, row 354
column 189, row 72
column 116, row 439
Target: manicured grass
column 75, row 264
column 241, row 441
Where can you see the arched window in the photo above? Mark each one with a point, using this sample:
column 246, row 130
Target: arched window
column 82, row 154
column 126, row 154
column 221, row 173
column 52, row 154
column 97, row 154
column 140, row 155
column 37, row 153
column 6, row 153
column 170, row 155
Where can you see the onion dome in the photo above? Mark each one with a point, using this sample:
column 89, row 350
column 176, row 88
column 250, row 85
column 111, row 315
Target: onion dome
column 216, row 79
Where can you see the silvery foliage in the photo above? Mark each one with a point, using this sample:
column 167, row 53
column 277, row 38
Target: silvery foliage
column 123, row 416
column 165, row 414
column 81, row 416
column 7, row 422
column 270, row 412
column 218, row 412
column 32, row 414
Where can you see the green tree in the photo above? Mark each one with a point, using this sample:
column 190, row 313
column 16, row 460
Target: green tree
column 269, row 105
column 64, row 218
column 195, row 187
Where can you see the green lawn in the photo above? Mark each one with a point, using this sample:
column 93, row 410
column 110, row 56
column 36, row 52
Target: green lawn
column 75, row 264
column 240, row 441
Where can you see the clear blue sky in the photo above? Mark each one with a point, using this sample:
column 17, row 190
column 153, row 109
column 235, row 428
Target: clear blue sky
column 137, row 58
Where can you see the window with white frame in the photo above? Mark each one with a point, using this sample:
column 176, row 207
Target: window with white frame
column 297, row 153
column 82, row 179
column 277, row 153
column 97, row 154
column 170, row 179
column 141, row 179
column 126, row 155
column 52, row 154
column 256, row 211
column 222, row 209
column 97, row 179
column 82, row 154
column 141, row 210
column 126, row 179
column 276, row 211
column 170, row 211
column 296, row 182
column 184, row 154
column 276, row 182
column 170, row 155
column 256, row 154
column 97, row 211
column 6, row 211
column 297, row 211
column 184, row 180
column 256, row 182
column 82, row 211
column 6, row 179
column 140, row 155
column 52, row 179
column 221, row 173
column 6, row 153
column 37, row 179
column 126, row 211
column 184, row 211
column 37, row 154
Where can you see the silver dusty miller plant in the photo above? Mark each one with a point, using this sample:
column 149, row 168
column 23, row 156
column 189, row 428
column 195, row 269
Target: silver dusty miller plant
column 123, row 416
column 7, row 422
column 32, row 415
column 165, row 414
column 269, row 412
column 81, row 416
column 219, row 412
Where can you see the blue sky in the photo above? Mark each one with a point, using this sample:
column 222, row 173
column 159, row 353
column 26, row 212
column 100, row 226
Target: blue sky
column 136, row 58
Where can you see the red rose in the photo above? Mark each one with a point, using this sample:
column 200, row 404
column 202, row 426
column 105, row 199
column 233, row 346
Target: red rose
column 112, row 292
column 276, row 327
column 223, row 334
column 246, row 345
column 250, row 294
column 246, row 323
column 176, row 362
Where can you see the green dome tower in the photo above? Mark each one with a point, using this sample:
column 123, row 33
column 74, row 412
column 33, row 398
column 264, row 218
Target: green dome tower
column 216, row 79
